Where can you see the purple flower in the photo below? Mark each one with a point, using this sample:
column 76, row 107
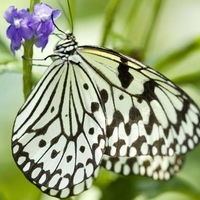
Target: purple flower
column 19, row 28
column 24, row 25
column 43, row 19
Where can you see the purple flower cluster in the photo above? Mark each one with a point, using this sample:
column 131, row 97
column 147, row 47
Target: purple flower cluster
column 23, row 25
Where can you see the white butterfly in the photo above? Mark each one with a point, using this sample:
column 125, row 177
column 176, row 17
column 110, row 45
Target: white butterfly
column 95, row 107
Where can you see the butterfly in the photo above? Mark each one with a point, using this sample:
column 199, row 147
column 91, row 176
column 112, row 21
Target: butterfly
column 95, row 107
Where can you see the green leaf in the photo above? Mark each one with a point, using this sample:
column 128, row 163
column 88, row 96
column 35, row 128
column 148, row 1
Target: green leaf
column 178, row 55
column 128, row 188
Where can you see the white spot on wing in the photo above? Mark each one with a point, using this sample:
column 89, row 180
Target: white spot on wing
column 63, row 182
column 117, row 167
column 144, row 149
column 36, row 172
column 126, row 170
column 54, row 180
column 53, row 192
column 15, row 149
column 65, row 193
column 78, row 188
column 21, row 160
column 42, row 179
column 79, row 176
column 26, row 167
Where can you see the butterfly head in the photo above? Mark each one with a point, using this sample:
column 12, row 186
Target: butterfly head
column 67, row 44
column 69, row 35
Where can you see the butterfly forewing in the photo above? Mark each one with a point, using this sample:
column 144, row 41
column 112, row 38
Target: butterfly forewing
column 59, row 133
column 146, row 114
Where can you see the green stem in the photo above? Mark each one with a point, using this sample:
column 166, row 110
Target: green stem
column 27, row 60
column 135, row 7
column 177, row 56
column 153, row 24
column 27, row 67
column 110, row 13
column 32, row 3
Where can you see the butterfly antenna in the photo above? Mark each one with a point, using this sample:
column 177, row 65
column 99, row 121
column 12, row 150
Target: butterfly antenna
column 57, row 26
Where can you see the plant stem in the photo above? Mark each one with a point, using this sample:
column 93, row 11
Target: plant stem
column 32, row 3
column 27, row 67
column 153, row 24
column 27, row 60
column 109, row 19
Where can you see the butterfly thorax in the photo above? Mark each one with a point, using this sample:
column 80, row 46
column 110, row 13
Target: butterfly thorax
column 66, row 46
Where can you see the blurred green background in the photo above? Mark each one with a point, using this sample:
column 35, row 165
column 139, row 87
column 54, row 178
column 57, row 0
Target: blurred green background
column 163, row 34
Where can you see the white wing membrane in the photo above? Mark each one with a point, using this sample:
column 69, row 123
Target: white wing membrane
column 59, row 133
column 146, row 114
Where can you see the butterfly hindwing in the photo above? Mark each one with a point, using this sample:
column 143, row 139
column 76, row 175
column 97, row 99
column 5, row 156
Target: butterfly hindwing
column 146, row 114
column 59, row 133
column 157, row 167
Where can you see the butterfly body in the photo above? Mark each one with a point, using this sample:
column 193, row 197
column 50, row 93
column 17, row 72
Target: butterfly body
column 95, row 107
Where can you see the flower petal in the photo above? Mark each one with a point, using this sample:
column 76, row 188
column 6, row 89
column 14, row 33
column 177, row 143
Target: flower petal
column 15, row 43
column 11, row 31
column 41, row 9
column 41, row 42
column 25, row 30
column 34, row 22
column 56, row 14
column 9, row 13
column 23, row 14
column 24, row 25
